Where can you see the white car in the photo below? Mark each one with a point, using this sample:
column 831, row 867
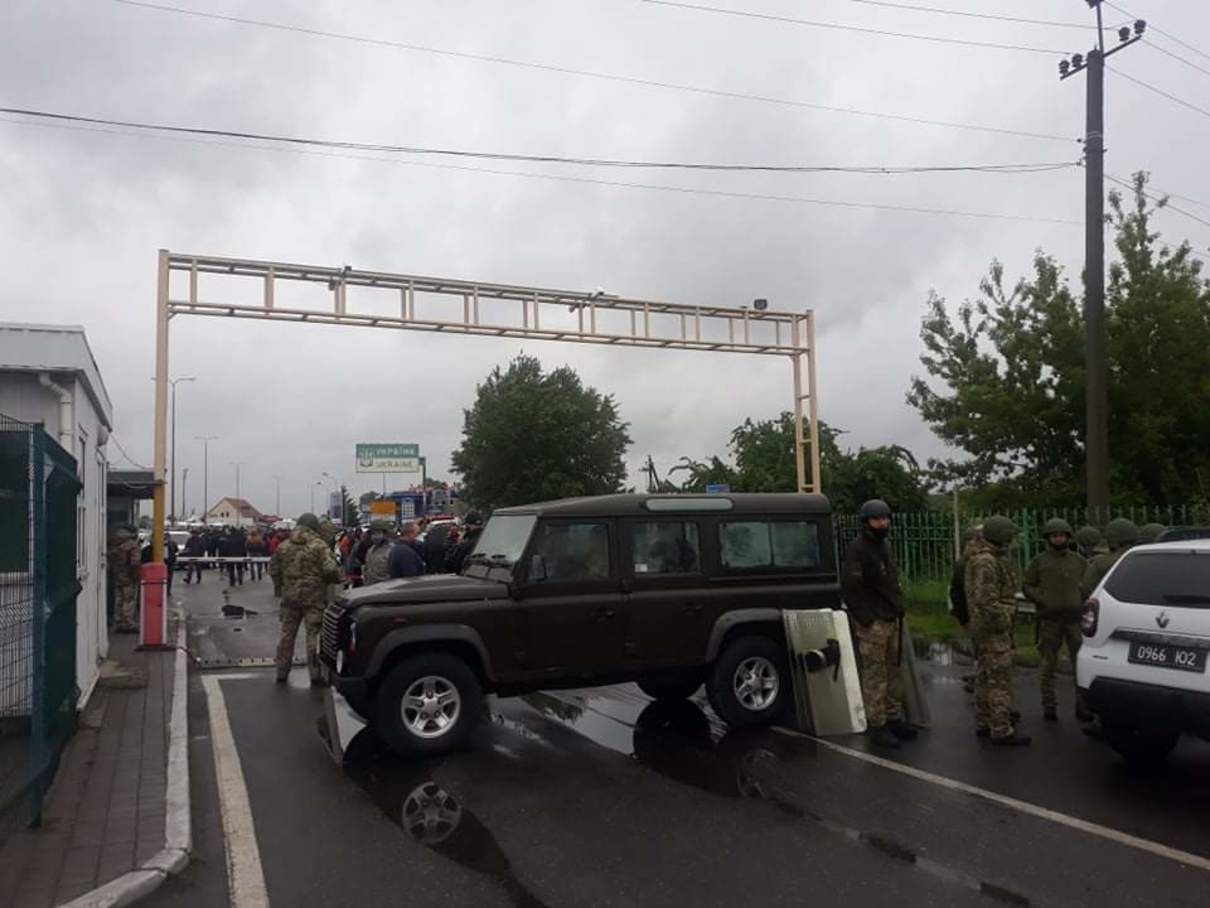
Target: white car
column 1147, row 636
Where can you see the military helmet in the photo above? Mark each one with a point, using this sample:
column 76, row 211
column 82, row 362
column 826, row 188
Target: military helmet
column 310, row 521
column 1121, row 532
column 875, row 508
column 1149, row 531
column 999, row 530
column 1056, row 525
column 1088, row 537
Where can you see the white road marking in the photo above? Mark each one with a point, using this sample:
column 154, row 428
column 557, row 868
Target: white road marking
column 1053, row 816
column 245, row 877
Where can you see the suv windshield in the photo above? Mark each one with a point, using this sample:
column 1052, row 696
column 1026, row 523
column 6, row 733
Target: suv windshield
column 504, row 539
column 1163, row 578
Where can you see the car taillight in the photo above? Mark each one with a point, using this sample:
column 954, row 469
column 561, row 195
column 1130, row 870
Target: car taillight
column 1089, row 617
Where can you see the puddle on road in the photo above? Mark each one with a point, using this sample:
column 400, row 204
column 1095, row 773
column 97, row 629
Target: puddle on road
column 238, row 611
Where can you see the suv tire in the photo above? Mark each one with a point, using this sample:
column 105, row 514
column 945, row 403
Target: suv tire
column 428, row 704
column 674, row 685
column 1140, row 746
column 749, row 683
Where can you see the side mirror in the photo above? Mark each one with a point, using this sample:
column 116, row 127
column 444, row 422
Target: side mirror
column 537, row 569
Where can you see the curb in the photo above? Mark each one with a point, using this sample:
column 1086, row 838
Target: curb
column 178, row 828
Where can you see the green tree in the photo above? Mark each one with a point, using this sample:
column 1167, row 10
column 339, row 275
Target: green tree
column 1006, row 375
column 532, row 436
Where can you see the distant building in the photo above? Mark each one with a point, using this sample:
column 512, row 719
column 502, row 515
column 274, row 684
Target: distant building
column 234, row 512
column 48, row 375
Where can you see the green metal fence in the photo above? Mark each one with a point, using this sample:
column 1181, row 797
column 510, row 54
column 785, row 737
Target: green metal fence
column 38, row 590
column 924, row 542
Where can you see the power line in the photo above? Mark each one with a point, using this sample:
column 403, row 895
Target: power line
column 545, row 159
column 812, row 23
column 683, row 190
column 1159, row 31
column 129, row 459
column 1160, row 91
column 969, row 15
column 1166, row 52
column 1168, row 206
column 590, row 74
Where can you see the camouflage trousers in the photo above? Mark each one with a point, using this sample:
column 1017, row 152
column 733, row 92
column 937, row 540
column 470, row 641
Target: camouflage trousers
column 881, row 682
column 994, row 684
column 126, row 604
column 291, row 617
column 1051, row 637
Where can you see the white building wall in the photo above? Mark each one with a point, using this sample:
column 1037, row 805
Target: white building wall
column 23, row 398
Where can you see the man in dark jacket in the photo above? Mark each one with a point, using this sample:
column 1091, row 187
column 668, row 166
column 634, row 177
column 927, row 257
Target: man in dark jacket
column 404, row 562
column 456, row 555
column 235, row 545
column 874, row 601
column 195, row 547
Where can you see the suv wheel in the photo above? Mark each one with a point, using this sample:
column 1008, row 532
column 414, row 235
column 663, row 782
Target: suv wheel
column 428, row 704
column 749, row 682
column 677, row 685
column 1140, row 747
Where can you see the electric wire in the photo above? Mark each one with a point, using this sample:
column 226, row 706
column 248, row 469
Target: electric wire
column 1178, row 57
column 1167, row 206
column 129, row 459
column 1160, row 31
column 1159, row 91
column 969, row 15
column 564, row 178
column 591, row 74
column 812, row 23
column 547, row 158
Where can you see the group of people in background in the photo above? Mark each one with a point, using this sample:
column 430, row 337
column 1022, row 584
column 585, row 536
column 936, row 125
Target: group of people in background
column 418, row 547
column 984, row 598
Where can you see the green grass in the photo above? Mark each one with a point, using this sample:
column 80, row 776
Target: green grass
column 929, row 620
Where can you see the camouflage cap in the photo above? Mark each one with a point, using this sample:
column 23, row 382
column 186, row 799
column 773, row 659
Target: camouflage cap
column 1149, row 531
column 1121, row 532
column 999, row 530
column 381, row 526
column 1056, row 525
column 310, row 521
column 1089, row 537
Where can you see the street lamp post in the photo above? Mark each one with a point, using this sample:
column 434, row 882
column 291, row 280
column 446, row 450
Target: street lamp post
column 184, row 487
column 172, row 514
column 205, row 440
column 239, row 503
column 335, row 488
column 277, row 495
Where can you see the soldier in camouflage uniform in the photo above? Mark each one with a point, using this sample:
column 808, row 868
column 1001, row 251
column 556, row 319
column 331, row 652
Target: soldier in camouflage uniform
column 376, row 563
column 1052, row 583
column 1089, row 542
column 991, row 588
column 1121, row 534
column 302, row 568
column 124, row 559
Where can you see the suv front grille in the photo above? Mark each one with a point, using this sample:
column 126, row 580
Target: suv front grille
column 329, row 641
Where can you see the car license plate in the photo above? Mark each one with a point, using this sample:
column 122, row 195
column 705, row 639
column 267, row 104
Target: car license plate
column 1166, row 656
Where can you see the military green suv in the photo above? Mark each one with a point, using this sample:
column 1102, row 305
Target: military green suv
column 670, row 591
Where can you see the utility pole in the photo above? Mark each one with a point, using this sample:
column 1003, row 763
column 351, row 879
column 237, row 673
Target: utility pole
column 239, row 502
column 1096, row 393
column 184, row 488
column 205, row 440
column 277, row 495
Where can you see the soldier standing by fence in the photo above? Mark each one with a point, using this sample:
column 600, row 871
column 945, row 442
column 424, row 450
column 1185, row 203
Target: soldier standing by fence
column 991, row 588
column 302, row 568
column 124, row 562
column 875, row 601
column 1052, row 583
column 1121, row 534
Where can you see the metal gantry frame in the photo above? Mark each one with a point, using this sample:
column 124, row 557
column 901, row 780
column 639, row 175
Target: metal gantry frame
column 490, row 310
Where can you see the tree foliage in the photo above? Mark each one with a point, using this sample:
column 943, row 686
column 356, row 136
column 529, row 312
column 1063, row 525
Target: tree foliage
column 533, row 436
column 764, row 462
column 1006, row 374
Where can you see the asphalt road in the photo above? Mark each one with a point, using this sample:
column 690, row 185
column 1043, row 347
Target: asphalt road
column 601, row 798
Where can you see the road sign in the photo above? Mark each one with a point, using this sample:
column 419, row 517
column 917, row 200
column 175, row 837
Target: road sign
column 376, row 458
column 718, row 488
column 382, row 510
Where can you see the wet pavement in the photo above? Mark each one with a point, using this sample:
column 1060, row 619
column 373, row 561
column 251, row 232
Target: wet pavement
column 603, row 797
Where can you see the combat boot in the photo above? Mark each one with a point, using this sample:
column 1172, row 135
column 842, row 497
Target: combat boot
column 883, row 737
column 1012, row 739
column 902, row 730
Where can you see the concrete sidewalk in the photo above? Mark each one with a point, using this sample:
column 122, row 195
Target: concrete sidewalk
column 109, row 814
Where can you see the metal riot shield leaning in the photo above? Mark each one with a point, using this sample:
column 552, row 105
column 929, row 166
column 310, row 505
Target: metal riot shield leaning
column 915, row 703
column 823, row 664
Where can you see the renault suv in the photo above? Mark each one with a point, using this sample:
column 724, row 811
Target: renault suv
column 1147, row 636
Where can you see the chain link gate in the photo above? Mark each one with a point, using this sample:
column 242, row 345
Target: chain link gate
column 39, row 487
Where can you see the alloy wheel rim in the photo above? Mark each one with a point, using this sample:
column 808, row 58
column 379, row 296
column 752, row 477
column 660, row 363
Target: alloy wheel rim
column 431, row 706
column 756, row 683
column 430, row 814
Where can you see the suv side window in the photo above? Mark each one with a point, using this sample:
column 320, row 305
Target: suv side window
column 665, row 547
column 768, row 545
column 574, row 551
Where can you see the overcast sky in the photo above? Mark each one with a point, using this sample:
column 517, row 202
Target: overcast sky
column 85, row 211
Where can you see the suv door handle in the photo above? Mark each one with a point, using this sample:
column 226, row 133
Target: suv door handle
column 604, row 613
